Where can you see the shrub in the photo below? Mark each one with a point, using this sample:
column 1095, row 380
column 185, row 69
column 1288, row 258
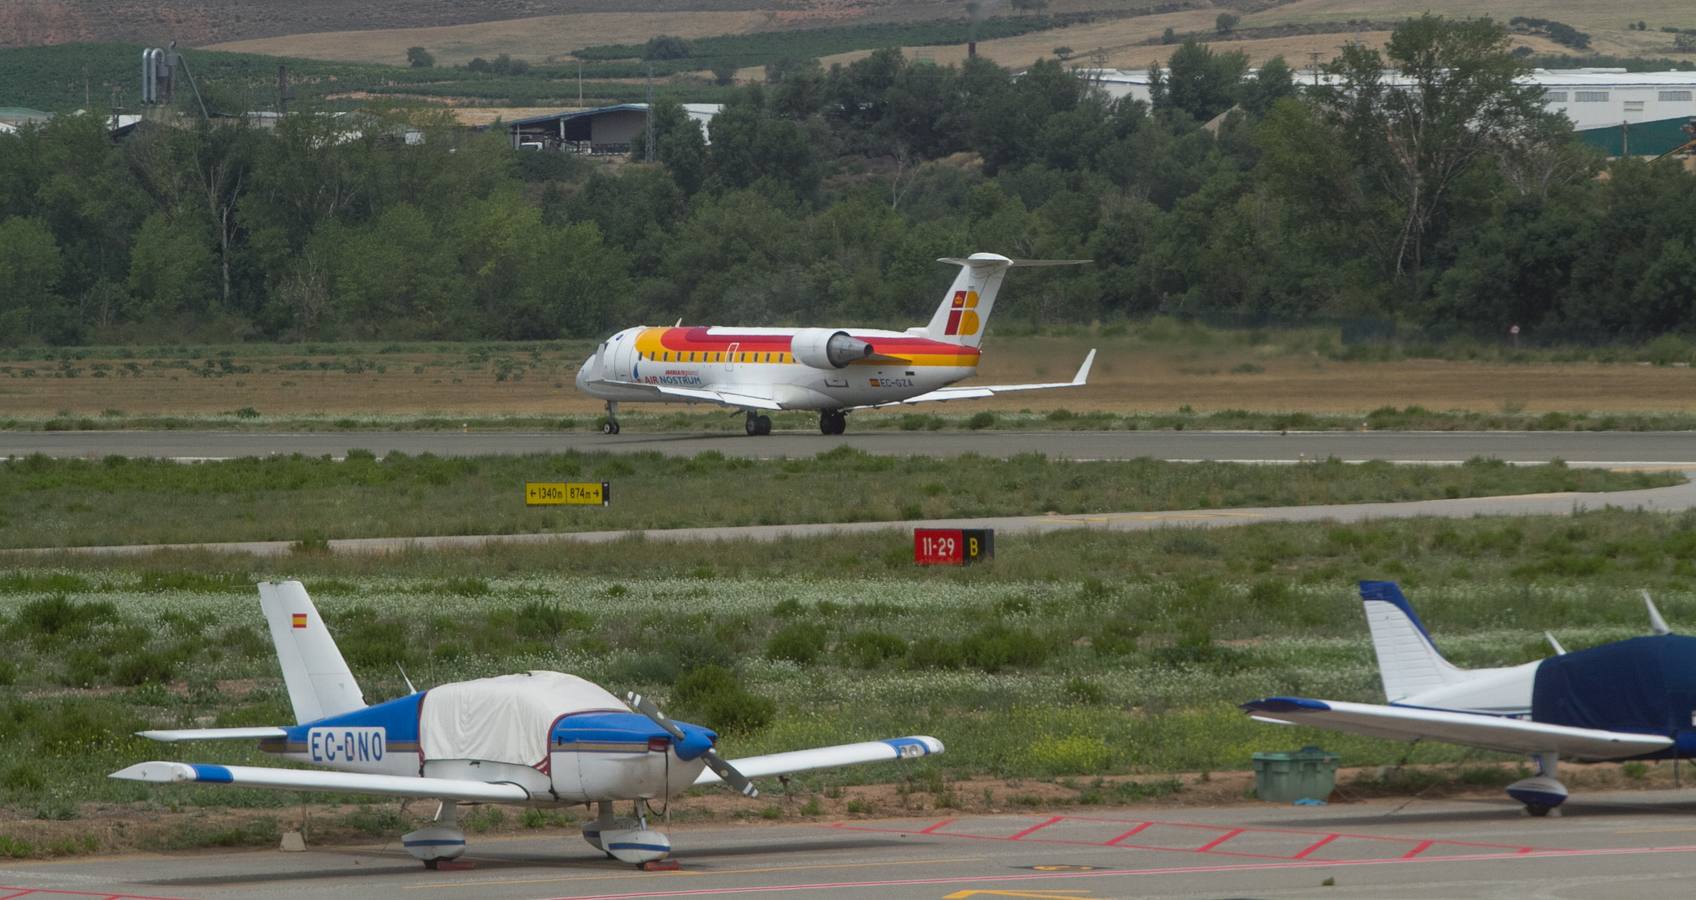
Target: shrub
column 60, row 618
column 1075, row 754
column 551, row 619
column 801, row 642
column 934, row 653
column 980, row 421
column 995, row 647
column 871, row 649
column 712, row 695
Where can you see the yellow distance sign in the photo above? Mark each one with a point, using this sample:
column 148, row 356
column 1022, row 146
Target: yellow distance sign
column 567, row 493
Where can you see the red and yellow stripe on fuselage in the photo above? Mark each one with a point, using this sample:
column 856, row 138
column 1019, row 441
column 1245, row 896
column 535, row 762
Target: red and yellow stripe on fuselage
column 701, row 345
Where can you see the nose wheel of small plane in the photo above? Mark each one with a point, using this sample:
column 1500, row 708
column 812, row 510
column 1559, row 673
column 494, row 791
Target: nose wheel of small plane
column 833, row 421
column 756, row 424
column 610, row 426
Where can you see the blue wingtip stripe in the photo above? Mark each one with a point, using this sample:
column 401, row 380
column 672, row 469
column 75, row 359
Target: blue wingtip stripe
column 212, row 774
column 900, row 745
column 1286, row 705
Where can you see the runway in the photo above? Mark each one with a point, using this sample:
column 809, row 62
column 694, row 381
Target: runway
column 1618, row 844
column 1600, row 448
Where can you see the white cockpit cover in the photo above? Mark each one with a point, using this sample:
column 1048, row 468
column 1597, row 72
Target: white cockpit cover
column 506, row 718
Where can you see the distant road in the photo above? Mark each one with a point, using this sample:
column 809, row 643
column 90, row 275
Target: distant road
column 1676, row 449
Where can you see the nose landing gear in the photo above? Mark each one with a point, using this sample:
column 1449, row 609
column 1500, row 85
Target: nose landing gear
column 833, row 421
column 757, row 425
column 610, row 426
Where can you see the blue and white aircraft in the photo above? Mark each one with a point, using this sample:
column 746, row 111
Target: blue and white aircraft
column 539, row 739
column 1631, row 699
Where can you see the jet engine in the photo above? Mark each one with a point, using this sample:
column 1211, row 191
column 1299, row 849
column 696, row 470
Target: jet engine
column 825, row 349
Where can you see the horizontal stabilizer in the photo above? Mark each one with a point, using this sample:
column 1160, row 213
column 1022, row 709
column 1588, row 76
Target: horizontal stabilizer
column 986, row 260
column 214, row 734
column 1402, row 723
column 318, row 780
column 830, row 757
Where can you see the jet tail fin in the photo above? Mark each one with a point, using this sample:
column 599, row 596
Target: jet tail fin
column 966, row 307
column 1408, row 661
column 319, row 681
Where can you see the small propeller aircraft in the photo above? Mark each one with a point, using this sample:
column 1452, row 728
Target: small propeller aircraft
column 831, row 370
column 1631, row 699
column 538, row 739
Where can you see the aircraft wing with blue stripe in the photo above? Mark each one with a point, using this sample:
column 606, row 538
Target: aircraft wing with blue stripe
column 214, row 734
column 1402, row 723
column 319, row 780
column 830, row 757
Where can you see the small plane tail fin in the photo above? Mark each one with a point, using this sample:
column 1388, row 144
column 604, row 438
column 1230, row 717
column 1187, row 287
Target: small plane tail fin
column 966, row 307
column 319, row 681
column 1408, row 661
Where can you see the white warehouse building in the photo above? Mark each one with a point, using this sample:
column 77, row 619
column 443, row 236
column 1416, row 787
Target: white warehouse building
column 1623, row 113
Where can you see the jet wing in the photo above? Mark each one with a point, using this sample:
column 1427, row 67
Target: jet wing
column 990, row 390
column 214, row 734
column 320, row 780
column 1403, row 723
column 829, row 757
column 705, row 395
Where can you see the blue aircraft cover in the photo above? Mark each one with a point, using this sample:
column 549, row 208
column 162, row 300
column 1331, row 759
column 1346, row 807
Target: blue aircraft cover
column 1643, row 685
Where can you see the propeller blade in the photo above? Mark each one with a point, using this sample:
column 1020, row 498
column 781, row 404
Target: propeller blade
column 728, row 772
column 1559, row 650
column 647, row 708
column 1657, row 624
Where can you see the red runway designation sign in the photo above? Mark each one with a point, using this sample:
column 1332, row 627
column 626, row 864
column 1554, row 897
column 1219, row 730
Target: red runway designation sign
column 952, row 546
column 567, row 493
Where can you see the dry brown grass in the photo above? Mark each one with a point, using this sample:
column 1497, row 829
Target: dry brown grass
column 538, row 39
column 1129, row 377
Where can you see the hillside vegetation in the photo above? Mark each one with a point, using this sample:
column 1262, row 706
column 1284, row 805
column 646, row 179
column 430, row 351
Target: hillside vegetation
column 1460, row 208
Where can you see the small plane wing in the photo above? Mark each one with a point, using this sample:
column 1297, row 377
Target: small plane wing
column 829, row 757
column 320, row 780
column 1472, row 729
column 214, row 734
column 705, row 395
column 989, row 390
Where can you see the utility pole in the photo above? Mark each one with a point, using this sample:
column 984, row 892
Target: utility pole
column 649, row 130
column 282, row 89
column 580, row 84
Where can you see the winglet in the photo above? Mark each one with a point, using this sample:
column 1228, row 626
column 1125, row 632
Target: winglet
column 1656, row 624
column 1082, row 378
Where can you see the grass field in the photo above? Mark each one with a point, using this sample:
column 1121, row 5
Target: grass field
column 1163, row 374
column 1068, row 658
column 54, row 503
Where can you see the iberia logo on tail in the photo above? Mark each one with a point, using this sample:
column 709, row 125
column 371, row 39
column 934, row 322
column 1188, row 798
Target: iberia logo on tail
column 963, row 314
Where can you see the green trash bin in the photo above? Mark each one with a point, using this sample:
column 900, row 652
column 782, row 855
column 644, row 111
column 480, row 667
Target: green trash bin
column 1306, row 774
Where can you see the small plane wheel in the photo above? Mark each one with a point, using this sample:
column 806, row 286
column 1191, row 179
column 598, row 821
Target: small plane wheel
column 1538, row 810
column 765, row 425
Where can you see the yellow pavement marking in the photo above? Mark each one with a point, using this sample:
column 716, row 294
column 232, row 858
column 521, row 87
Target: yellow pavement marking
column 748, row 871
column 1040, row 895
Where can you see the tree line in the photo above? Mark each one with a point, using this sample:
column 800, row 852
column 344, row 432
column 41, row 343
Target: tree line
column 1445, row 198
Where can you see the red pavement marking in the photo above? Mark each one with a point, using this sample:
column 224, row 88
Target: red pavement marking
column 51, row 892
column 1115, row 841
column 1036, row 828
column 1319, row 843
column 1126, row 873
column 1211, row 848
column 1219, row 840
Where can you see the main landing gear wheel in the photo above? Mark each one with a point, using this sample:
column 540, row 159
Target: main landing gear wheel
column 833, row 421
column 756, row 425
column 610, row 426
